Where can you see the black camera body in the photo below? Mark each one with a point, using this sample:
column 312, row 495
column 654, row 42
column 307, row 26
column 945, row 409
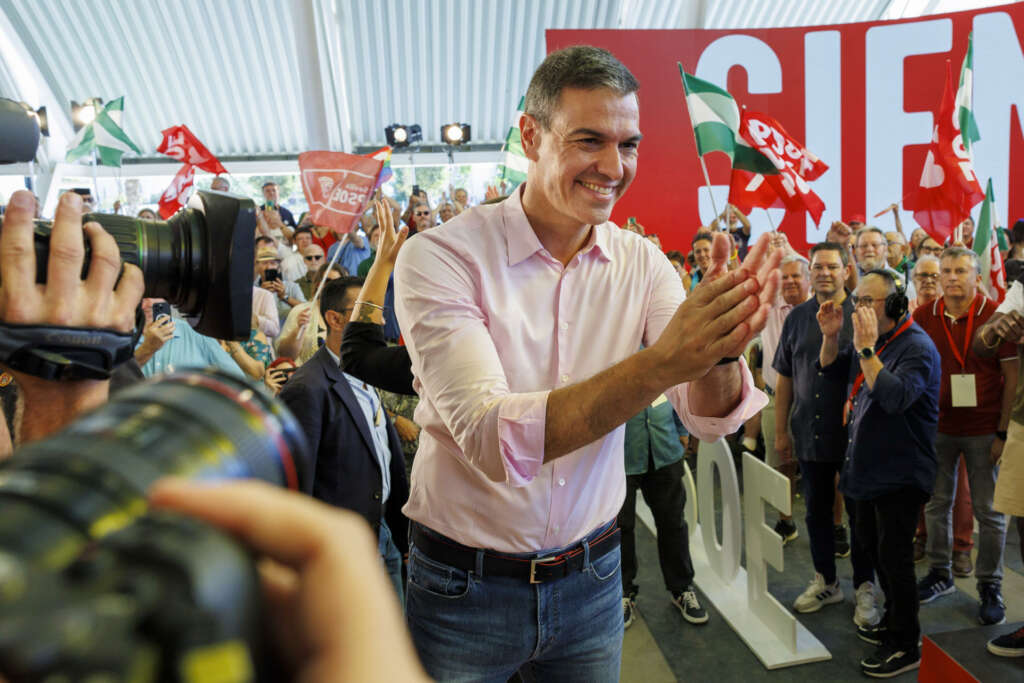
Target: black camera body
column 93, row 583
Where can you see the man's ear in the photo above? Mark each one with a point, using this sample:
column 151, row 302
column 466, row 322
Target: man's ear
column 529, row 132
column 334, row 320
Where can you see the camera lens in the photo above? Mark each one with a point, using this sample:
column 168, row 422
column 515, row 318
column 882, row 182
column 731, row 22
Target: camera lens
column 201, row 260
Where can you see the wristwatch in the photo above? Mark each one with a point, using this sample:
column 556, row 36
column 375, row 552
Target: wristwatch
column 866, row 353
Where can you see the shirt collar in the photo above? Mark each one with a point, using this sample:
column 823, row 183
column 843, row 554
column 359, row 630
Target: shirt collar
column 522, row 242
column 334, row 356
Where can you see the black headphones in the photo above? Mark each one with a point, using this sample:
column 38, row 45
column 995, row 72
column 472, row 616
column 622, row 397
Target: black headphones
column 896, row 304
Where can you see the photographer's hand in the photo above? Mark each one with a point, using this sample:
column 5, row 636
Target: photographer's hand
column 101, row 301
column 332, row 610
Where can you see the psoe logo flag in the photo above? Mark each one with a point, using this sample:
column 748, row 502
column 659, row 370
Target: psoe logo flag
column 337, row 186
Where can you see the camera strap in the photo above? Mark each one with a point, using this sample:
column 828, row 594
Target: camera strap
column 64, row 353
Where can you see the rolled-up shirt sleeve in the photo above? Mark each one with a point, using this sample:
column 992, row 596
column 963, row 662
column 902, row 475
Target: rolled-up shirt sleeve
column 457, row 367
column 667, row 294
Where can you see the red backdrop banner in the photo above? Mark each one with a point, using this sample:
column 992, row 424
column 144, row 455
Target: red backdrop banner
column 863, row 97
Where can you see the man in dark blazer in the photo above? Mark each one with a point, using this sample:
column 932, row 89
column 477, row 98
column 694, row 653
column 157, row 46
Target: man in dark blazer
column 358, row 462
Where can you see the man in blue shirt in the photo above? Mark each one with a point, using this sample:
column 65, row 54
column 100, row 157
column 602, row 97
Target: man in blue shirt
column 654, row 466
column 892, row 413
column 170, row 344
column 808, row 404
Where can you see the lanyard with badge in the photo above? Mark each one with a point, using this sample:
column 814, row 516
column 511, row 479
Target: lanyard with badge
column 859, row 380
column 962, row 387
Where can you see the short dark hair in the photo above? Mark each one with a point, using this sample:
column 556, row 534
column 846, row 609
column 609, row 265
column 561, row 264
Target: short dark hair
column 321, row 272
column 302, row 229
column 830, row 246
column 702, row 236
column 1017, row 232
column 335, row 294
column 264, row 238
column 580, row 66
column 269, row 183
column 675, row 255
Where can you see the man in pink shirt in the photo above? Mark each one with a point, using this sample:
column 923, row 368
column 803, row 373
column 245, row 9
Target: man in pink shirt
column 523, row 320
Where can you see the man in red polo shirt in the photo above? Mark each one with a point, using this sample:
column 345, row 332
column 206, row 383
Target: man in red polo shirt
column 974, row 411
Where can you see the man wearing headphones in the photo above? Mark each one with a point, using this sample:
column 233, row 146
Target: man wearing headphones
column 891, row 413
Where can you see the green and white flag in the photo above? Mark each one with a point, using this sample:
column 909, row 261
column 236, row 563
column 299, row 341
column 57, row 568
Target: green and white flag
column 716, row 125
column 105, row 136
column 965, row 98
column 515, row 163
column 990, row 262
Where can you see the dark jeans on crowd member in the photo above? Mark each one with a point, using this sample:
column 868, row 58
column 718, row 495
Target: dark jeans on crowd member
column 819, row 481
column 885, row 527
column 664, row 494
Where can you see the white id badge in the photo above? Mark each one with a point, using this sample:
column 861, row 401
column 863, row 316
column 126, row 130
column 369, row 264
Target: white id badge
column 964, row 393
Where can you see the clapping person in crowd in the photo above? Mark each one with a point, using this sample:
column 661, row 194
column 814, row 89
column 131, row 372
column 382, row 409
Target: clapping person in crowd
column 269, row 277
column 357, row 458
column 871, row 250
column 461, row 199
column 893, row 373
column 809, row 405
column 1007, row 326
column 974, row 413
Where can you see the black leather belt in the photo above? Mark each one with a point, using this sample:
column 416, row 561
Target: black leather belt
column 535, row 570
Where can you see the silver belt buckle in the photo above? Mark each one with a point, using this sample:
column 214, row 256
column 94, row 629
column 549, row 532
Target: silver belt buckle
column 533, row 567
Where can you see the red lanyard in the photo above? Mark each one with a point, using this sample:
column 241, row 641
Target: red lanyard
column 860, row 376
column 949, row 335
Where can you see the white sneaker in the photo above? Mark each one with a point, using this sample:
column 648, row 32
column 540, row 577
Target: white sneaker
column 866, row 614
column 818, row 595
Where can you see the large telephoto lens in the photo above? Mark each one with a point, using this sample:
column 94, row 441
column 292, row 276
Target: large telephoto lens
column 63, row 492
column 201, row 260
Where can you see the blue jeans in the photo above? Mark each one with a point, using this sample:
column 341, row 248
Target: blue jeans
column 392, row 559
column 981, row 475
column 470, row 627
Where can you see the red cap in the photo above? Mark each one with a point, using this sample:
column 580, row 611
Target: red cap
column 857, row 217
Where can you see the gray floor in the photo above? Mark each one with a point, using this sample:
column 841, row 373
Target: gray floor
column 663, row 646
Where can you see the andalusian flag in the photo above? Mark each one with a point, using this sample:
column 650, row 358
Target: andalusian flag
column 965, row 98
column 515, row 164
column 105, row 136
column 986, row 246
column 716, row 125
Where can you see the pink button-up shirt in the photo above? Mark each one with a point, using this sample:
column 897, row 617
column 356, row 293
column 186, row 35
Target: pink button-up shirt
column 493, row 324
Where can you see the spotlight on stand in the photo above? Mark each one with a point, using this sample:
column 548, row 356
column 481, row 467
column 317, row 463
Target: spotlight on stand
column 399, row 135
column 83, row 114
column 455, row 133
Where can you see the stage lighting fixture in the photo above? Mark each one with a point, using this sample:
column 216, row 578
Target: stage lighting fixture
column 40, row 116
column 399, row 135
column 83, row 114
column 455, row 133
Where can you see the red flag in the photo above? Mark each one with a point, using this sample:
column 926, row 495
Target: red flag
column 948, row 186
column 748, row 190
column 337, row 186
column 176, row 194
column 181, row 144
column 796, row 165
column 997, row 273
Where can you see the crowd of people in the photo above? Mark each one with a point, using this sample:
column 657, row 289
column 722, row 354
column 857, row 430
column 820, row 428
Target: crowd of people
column 462, row 393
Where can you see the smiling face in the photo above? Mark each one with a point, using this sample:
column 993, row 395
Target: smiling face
column 585, row 161
column 702, row 254
column 871, row 250
column 795, row 282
